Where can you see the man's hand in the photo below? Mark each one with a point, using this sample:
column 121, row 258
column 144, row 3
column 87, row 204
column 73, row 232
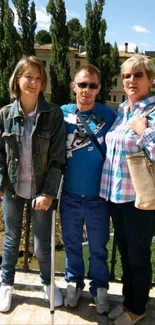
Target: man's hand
column 139, row 124
column 43, row 202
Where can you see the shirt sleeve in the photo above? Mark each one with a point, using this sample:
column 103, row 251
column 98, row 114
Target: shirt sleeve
column 147, row 142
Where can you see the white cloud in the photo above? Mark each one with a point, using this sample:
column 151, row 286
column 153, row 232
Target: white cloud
column 131, row 47
column 140, row 29
column 43, row 20
column 15, row 17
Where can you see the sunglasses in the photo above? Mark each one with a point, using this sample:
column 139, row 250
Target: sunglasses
column 83, row 85
column 136, row 75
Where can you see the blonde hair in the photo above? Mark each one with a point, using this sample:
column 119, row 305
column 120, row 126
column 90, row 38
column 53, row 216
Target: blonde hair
column 136, row 62
column 25, row 62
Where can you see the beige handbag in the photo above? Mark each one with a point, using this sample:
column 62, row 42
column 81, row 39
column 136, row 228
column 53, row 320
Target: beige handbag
column 142, row 171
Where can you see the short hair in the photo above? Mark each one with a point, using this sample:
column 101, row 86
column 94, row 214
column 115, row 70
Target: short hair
column 139, row 61
column 89, row 69
column 23, row 63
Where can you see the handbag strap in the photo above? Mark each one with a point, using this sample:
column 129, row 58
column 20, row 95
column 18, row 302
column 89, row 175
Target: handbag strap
column 148, row 112
column 148, row 161
column 90, row 133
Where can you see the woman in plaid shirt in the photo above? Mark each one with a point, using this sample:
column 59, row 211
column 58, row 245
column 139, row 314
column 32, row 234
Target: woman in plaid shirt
column 131, row 133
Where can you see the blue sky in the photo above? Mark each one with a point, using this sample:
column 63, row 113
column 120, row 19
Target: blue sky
column 127, row 21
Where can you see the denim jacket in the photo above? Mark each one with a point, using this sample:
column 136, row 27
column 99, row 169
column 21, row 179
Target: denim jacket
column 48, row 147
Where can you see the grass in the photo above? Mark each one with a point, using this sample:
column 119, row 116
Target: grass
column 60, row 254
column 60, row 260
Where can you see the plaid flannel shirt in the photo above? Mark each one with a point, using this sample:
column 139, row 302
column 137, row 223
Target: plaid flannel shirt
column 121, row 140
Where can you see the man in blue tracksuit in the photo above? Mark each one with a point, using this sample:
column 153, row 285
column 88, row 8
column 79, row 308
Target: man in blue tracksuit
column 80, row 201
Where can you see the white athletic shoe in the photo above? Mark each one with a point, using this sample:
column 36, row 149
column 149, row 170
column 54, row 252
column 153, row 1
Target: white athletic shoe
column 58, row 300
column 101, row 301
column 5, row 297
column 73, row 295
column 116, row 312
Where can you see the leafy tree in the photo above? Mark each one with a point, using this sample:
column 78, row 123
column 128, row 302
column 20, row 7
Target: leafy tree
column 92, row 30
column 10, row 50
column 115, row 59
column 27, row 24
column 59, row 66
column 2, row 11
column 32, row 27
column 76, row 33
column 43, row 37
column 101, row 54
column 109, row 66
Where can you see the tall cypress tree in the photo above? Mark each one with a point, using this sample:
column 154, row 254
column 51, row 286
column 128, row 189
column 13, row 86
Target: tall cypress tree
column 108, row 64
column 92, row 30
column 27, row 24
column 59, row 66
column 2, row 10
column 99, row 53
column 9, row 49
column 33, row 25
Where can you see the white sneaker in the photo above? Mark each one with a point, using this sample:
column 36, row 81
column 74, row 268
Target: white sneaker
column 125, row 319
column 116, row 312
column 101, row 301
column 73, row 295
column 58, row 300
column 5, row 297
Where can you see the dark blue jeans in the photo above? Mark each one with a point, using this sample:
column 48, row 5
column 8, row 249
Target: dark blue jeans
column 133, row 229
column 76, row 210
column 41, row 227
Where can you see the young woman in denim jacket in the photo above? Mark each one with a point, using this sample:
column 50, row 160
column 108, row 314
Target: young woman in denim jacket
column 32, row 151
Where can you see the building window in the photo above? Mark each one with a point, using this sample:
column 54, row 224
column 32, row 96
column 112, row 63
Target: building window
column 44, row 63
column 115, row 82
column 123, row 98
column 114, row 98
column 77, row 64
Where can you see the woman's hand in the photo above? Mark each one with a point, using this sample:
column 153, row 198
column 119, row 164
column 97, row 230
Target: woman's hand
column 1, row 194
column 43, row 202
column 139, row 124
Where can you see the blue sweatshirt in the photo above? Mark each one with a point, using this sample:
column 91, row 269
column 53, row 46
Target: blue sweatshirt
column 84, row 161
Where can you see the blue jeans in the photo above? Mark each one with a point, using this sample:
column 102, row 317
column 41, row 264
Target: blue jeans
column 133, row 229
column 41, row 227
column 74, row 211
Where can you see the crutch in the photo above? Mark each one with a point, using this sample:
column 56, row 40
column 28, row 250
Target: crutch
column 54, row 209
column 52, row 292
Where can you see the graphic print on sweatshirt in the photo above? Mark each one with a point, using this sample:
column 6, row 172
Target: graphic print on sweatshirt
column 79, row 138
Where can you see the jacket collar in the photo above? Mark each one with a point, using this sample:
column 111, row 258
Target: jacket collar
column 43, row 106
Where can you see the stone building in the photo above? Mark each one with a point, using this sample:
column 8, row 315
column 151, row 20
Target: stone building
column 76, row 59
